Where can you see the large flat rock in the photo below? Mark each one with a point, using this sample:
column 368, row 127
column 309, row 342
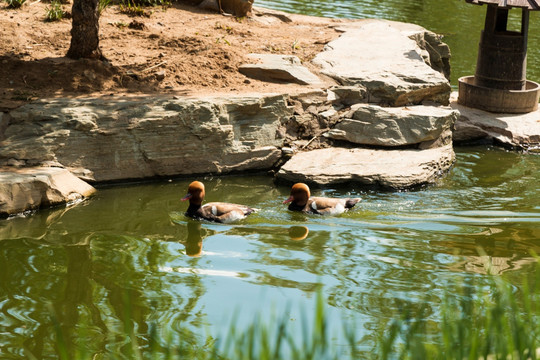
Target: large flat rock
column 514, row 130
column 33, row 188
column 395, row 169
column 386, row 59
column 132, row 138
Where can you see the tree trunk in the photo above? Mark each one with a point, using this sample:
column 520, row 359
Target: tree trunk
column 85, row 30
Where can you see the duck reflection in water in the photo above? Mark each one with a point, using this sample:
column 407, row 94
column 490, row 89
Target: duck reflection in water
column 272, row 234
column 194, row 240
column 298, row 233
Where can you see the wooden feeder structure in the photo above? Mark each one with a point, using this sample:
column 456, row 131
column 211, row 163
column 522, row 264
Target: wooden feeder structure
column 500, row 84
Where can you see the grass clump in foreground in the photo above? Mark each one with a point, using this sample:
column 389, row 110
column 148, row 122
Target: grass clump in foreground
column 474, row 321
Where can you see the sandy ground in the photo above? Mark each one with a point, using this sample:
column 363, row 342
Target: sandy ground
column 180, row 50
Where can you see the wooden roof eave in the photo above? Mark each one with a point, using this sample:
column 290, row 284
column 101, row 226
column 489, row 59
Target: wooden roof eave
column 524, row 4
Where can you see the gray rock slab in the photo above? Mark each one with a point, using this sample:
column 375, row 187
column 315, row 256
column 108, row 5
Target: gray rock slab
column 396, row 169
column 515, row 130
column 279, row 68
column 132, row 138
column 369, row 124
column 385, row 58
column 32, row 188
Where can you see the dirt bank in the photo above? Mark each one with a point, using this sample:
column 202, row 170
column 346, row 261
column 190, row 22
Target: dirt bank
column 179, row 49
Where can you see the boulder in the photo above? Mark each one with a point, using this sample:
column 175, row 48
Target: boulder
column 395, row 169
column 384, row 57
column 369, row 124
column 33, row 188
column 279, row 68
column 132, row 138
column 514, row 130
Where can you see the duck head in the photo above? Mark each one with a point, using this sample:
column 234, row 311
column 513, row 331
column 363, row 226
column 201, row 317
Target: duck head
column 299, row 194
column 195, row 193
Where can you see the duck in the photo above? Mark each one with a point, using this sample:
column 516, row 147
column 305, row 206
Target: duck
column 215, row 211
column 300, row 200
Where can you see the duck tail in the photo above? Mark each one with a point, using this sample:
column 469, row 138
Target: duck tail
column 252, row 210
column 351, row 202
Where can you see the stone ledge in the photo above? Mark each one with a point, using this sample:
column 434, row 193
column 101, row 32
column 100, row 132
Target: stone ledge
column 133, row 138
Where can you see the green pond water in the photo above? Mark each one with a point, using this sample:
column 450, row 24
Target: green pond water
column 133, row 244
column 129, row 256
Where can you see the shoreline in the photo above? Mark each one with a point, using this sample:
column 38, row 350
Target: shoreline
column 377, row 88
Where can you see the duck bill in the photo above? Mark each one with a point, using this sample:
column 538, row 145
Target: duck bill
column 187, row 197
column 288, row 200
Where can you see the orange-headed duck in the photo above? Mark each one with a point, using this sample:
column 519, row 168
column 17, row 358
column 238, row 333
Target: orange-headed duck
column 214, row 211
column 300, row 200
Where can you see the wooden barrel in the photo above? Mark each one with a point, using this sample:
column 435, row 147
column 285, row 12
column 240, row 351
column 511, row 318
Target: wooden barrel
column 502, row 60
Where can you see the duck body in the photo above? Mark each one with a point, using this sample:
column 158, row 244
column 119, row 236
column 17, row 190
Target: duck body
column 300, row 200
column 324, row 205
column 219, row 212
column 215, row 211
